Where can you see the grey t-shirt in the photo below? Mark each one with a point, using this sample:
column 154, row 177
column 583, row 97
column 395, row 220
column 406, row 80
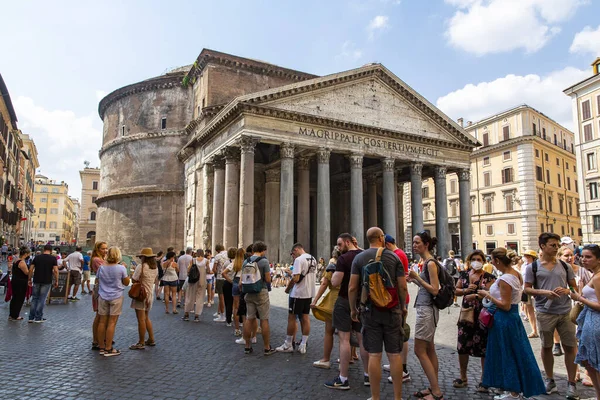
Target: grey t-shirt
column 263, row 267
column 550, row 280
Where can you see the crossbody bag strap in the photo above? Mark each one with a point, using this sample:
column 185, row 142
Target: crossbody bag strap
column 379, row 253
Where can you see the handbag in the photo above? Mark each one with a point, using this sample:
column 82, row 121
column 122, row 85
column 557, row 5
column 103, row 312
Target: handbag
column 486, row 317
column 467, row 316
column 137, row 291
column 575, row 311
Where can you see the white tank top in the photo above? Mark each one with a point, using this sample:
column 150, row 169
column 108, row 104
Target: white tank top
column 513, row 282
column 589, row 293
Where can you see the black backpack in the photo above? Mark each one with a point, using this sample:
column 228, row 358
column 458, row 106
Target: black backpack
column 451, row 266
column 194, row 274
column 445, row 296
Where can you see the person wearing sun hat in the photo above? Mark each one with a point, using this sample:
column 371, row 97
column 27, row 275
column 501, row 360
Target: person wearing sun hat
column 146, row 273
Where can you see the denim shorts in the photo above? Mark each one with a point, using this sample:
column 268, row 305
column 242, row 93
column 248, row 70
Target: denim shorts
column 235, row 290
column 170, row 283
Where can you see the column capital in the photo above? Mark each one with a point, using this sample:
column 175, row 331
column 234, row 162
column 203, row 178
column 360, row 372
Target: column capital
column 286, row 150
column 303, row 163
column 416, row 169
column 356, row 160
column 440, row 172
column 464, row 174
column 388, row 164
column 218, row 162
column 272, row 175
column 231, row 154
column 247, row 144
column 323, row 155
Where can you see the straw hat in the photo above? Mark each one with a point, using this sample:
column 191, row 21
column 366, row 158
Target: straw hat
column 531, row 253
column 147, row 252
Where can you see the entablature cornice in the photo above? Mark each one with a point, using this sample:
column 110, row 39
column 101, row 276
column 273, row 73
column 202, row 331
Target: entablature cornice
column 139, row 136
column 516, row 141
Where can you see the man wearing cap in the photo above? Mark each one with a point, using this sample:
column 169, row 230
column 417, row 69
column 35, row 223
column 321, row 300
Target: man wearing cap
column 390, row 244
column 183, row 263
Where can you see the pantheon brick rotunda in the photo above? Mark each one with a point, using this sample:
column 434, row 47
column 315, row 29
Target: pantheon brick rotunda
column 231, row 150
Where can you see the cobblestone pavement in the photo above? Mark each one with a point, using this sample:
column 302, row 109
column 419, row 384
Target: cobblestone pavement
column 195, row 360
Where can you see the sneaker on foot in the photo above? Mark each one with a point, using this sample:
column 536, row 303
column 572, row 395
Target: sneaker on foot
column 248, row 350
column 240, row 341
column 551, row 386
column 366, row 381
column 506, row 395
column 302, row 348
column 322, row 364
column 390, row 379
column 285, row 348
column 386, row 367
column 572, row 393
column 269, row 351
column 220, row 319
column 217, row 314
column 253, row 340
column 229, row 324
column 338, row 384
column 405, row 377
column 557, row 352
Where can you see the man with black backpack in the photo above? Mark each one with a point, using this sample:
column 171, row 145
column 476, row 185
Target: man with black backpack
column 378, row 276
column 451, row 265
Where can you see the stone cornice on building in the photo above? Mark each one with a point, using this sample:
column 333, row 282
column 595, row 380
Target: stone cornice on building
column 594, row 79
column 253, row 104
column 518, row 140
column 137, row 191
column 139, row 136
column 206, row 112
column 208, row 56
column 168, row 81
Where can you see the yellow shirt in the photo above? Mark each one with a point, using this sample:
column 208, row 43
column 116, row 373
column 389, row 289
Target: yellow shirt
column 489, row 268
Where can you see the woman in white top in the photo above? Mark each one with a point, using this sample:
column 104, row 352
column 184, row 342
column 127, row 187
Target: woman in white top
column 146, row 272
column 509, row 364
column 194, row 295
column 588, row 322
column 170, row 280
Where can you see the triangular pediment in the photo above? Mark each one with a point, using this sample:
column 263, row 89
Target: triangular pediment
column 368, row 96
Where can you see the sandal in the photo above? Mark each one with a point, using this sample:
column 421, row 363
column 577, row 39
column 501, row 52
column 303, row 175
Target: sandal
column 112, row 352
column 482, row 389
column 150, row 343
column 434, row 397
column 101, row 352
column 175, row 312
column 421, row 393
column 95, row 346
column 533, row 335
column 137, row 346
column 459, row 383
column 167, row 312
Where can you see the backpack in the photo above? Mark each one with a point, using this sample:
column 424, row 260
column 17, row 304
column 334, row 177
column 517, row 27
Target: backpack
column 194, row 275
column 312, row 266
column 445, row 296
column 251, row 278
column 534, row 269
column 379, row 289
column 451, row 266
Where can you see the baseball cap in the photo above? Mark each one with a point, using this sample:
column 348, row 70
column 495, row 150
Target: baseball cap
column 566, row 240
column 390, row 239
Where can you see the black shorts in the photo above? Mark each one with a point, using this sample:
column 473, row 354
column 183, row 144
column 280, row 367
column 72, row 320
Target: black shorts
column 382, row 328
column 299, row 306
column 341, row 317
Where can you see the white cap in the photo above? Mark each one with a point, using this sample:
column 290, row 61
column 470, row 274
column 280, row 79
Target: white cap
column 566, row 240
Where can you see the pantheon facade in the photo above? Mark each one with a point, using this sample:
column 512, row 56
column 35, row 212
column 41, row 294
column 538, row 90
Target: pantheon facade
column 232, row 150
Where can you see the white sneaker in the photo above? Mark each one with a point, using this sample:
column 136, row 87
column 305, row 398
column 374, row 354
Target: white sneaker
column 217, row 314
column 386, row 367
column 285, row 348
column 253, row 340
column 322, row 364
column 302, row 348
column 220, row 319
column 240, row 341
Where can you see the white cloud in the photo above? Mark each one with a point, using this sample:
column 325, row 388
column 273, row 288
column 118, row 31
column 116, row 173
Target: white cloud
column 494, row 26
column 63, row 140
column 377, row 24
column 544, row 93
column 587, row 41
column 349, row 51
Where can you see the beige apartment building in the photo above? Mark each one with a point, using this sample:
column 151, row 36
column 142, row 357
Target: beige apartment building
column 90, row 178
column 585, row 97
column 28, row 165
column 523, row 182
column 55, row 221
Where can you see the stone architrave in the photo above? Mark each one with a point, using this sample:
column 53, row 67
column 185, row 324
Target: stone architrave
column 218, row 201
column 303, row 193
column 416, row 197
column 272, row 179
column 323, row 204
column 441, row 212
column 286, row 202
column 389, row 197
column 466, row 229
column 207, row 204
column 232, row 197
column 356, row 198
column 246, row 212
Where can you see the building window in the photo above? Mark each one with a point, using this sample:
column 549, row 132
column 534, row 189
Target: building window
column 42, row 224
column 40, row 235
column 489, row 230
column 548, row 176
column 95, row 185
column 588, row 135
column 570, row 208
column 544, row 136
column 510, row 228
column 44, row 190
column 486, row 139
column 593, row 190
column 123, row 130
column 507, row 175
column 43, row 200
column 586, row 111
column 540, row 202
column 54, row 211
column 54, row 201
column 94, row 198
column 555, row 139
column 591, row 161
column 567, row 166
column 561, row 206
column 537, row 153
column 52, row 225
column 486, row 161
column 559, row 180
column 93, row 216
column 539, row 174
column 54, row 190
column 546, row 157
column 163, row 123
column 534, row 129
column 454, row 209
column 572, row 232
column 425, row 192
column 487, row 203
column 453, row 186
column 487, row 179
column 42, row 211
column 542, row 228
column 506, row 155
column 489, row 247
column 557, row 161
column 562, row 230
column 509, row 202
column 505, row 132
column 551, row 228
column 596, row 223
column 576, row 188
column 550, row 203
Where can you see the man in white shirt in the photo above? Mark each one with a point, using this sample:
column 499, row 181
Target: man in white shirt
column 301, row 289
column 183, row 262
column 75, row 265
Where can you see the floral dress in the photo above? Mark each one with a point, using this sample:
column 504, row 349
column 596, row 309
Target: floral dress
column 472, row 339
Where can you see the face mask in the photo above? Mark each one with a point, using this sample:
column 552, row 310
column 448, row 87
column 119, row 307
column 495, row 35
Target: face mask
column 476, row 265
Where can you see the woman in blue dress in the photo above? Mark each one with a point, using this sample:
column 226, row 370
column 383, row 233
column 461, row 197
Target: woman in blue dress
column 588, row 322
column 509, row 364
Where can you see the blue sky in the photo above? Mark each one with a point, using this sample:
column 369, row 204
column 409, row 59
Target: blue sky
column 472, row 58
